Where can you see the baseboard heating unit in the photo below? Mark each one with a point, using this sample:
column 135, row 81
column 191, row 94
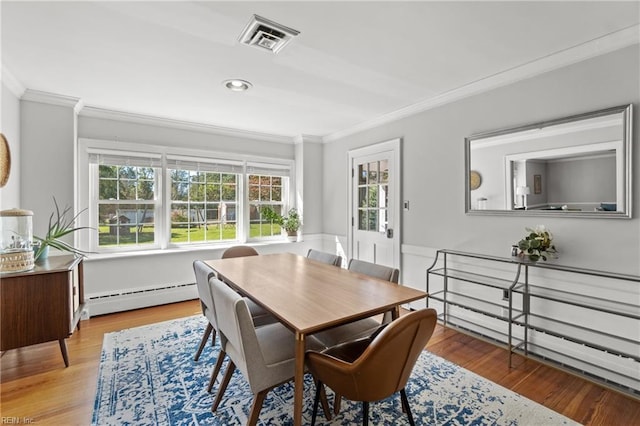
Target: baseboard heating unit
column 135, row 298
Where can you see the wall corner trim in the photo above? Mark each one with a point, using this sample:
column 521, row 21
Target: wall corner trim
column 51, row 98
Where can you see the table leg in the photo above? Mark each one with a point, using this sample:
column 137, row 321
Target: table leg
column 298, row 380
column 395, row 313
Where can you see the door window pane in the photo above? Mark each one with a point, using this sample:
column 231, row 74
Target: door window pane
column 362, row 220
column 373, row 173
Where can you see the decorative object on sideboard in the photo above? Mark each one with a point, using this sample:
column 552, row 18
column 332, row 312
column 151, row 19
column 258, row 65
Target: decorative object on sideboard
column 537, row 244
column 16, row 234
column 290, row 223
column 60, row 225
column 5, row 160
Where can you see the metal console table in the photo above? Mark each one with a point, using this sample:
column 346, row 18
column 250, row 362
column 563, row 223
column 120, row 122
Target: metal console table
column 515, row 281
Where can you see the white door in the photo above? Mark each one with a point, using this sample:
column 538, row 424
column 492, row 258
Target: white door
column 375, row 206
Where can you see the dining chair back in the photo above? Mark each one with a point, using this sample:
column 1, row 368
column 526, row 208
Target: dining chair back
column 324, row 257
column 258, row 313
column 375, row 270
column 265, row 355
column 366, row 326
column 380, row 367
column 203, row 273
column 239, row 251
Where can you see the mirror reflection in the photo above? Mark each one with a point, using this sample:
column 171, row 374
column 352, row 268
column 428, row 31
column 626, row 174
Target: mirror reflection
column 575, row 166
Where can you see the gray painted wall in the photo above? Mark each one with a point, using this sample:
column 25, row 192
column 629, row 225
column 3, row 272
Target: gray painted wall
column 47, row 137
column 588, row 180
column 433, row 167
column 10, row 127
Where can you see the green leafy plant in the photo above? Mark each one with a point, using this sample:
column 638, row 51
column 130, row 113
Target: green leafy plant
column 537, row 244
column 290, row 222
column 60, row 225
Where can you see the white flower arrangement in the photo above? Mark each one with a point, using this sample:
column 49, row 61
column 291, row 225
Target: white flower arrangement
column 537, row 244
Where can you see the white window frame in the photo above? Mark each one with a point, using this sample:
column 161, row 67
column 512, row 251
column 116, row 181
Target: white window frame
column 193, row 163
column 95, row 203
column 265, row 169
column 87, row 191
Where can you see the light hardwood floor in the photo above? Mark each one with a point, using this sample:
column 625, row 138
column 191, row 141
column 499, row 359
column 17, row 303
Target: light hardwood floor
column 36, row 388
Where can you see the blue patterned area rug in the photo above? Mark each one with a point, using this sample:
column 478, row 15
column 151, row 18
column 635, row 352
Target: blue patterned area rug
column 147, row 376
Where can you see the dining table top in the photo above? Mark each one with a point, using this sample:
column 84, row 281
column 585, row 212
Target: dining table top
column 308, row 296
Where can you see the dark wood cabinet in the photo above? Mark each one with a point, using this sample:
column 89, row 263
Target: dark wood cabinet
column 42, row 305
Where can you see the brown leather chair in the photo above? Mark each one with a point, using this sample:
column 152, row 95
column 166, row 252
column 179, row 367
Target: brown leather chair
column 373, row 368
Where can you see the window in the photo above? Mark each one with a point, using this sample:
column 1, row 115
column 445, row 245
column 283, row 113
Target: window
column 268, row 187
column 126, row 199
column 158, row 200
column 204, row 200
column 264, row 191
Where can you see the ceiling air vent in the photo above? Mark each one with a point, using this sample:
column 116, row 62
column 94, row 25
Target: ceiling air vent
column 265, row 34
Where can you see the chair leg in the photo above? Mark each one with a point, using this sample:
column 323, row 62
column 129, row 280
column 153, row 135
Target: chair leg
column 223, row 386
column 216, row 370
column 203, row 342
column 405, row 405
column 258, row 399
column 315, row 402
column 336, row 403
column 325, row 403
column 365, row 413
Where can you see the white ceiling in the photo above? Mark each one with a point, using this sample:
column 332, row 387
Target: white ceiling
column 352, row 64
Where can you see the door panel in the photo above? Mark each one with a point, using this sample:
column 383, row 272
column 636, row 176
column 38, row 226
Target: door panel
column 375, row 235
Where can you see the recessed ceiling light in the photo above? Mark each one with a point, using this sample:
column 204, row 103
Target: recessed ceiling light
column 237, row 85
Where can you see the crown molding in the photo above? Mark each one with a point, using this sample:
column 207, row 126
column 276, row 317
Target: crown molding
column 12, row 83
column 108, row 114
column 307, row 138
column 52, row 99
column 614, row 41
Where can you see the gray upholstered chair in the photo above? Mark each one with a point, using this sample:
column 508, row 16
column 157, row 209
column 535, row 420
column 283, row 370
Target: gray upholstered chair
column 324, row 257
column 259, row 314
column 366, row 326
column 204, row 273
column 372, row 369
column 264, row 355
column 377, row 271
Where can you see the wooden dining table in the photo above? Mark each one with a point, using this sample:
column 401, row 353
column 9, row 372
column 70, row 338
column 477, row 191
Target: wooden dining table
column 308, row 296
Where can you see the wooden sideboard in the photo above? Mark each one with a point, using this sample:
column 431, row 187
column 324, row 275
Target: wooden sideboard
column 42, row 305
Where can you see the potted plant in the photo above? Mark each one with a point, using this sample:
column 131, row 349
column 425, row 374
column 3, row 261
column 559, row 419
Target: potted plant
column 290, row 223
column 537, row 244
column 60, row 225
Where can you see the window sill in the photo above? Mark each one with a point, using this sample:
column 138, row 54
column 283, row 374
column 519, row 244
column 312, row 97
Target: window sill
column 183, row 249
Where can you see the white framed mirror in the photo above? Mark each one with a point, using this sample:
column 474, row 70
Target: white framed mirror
column 578, row 166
